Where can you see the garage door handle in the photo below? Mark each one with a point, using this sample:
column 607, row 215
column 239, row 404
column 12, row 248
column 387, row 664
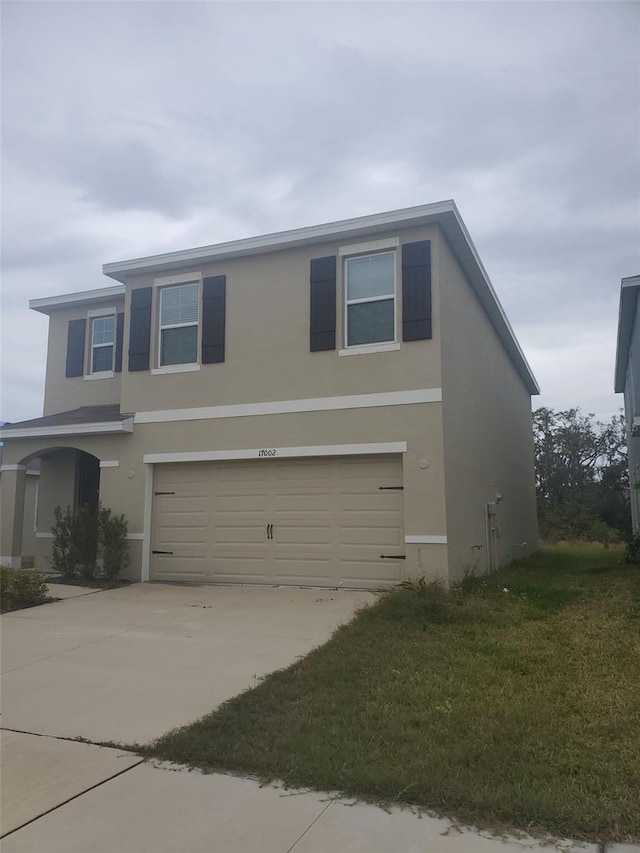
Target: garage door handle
column 391, row 488
column 269, row 531
column 392, row 557
column 162, row 552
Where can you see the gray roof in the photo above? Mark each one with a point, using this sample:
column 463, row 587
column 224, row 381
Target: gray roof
column 83, row 415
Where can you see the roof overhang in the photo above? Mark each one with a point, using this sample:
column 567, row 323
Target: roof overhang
column 62, row 430
column 444, row 214
column 76, row 300
column 626, row 319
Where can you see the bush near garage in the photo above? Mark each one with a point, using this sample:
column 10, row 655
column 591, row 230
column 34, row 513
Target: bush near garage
column 89, row 546
column 21, row 588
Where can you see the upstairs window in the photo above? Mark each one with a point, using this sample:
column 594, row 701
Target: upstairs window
column 103, row 335
column 179, row 324
column 370, row 299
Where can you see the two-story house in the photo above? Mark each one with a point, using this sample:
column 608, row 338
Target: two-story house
column 344, row 404
column 627, row 382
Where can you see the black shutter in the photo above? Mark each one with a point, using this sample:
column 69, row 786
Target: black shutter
column 140, row 328
column 416, row 291
column 322, row 332
column 75, row 347
column 119, row 338
column 214, row 291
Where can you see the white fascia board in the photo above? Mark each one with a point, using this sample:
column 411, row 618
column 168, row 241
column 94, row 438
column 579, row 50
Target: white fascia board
column 68, row 429
column 278, row 240
column 69, row 300
column 282, row 407
column 277, row 452
column 626, row 319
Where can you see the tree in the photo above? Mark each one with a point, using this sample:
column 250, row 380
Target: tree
column 581, row 474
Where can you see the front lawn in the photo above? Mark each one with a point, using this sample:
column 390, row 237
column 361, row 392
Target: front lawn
column 511, row 702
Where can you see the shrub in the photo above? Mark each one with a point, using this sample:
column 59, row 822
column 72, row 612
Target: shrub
column 21, row 588
column 112, row 543
column 74, row 548
column 89, row 545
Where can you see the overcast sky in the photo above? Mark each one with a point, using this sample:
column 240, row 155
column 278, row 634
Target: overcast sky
column 137, row 128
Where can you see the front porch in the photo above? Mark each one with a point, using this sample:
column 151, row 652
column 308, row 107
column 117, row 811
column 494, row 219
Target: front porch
column 70, row 450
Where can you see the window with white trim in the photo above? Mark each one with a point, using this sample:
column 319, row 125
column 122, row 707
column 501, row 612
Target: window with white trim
column 179, row 316
column 370, row 295
column 103, row 336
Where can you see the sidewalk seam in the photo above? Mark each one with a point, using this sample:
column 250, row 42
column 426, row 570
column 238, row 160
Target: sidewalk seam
column 83, row 740
column 70, row 799
column 317, row 818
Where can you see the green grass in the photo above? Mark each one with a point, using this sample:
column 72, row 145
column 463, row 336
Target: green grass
column 504, row 709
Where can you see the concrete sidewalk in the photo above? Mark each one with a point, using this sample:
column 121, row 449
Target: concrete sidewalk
column 161, row 809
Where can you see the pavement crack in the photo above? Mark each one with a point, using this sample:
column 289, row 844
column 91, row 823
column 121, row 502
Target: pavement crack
column 70, row 799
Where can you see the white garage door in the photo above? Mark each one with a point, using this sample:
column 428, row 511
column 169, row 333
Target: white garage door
column 315, row 522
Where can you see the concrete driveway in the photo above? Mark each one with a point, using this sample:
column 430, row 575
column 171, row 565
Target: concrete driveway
column 130, row 664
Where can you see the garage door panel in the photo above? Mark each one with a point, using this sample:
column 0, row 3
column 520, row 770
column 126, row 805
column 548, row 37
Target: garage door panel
column 240, row 534
column 230, row 474
column 240, row 503
column 330, row 521
column 296, row 470
column 368, row 536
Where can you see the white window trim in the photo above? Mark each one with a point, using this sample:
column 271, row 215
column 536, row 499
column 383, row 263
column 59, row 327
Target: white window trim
column 369, row 248
column 173, row 281
column 347, row 302
column 191, row 367
column 102, row 312
column 183, row 278
column 96, row 314
column 367, row 349
column 103, row 374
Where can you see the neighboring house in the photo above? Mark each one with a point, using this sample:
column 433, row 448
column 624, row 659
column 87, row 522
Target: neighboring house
column 344, row 404
column 627, row 382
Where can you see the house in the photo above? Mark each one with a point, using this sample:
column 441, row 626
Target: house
column 344, row 404
column 627, row 382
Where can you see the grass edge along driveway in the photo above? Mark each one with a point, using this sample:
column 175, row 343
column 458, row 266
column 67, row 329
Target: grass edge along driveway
column 512, row 702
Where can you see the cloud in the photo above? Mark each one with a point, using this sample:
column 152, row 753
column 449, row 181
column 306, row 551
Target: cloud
column 136, row 128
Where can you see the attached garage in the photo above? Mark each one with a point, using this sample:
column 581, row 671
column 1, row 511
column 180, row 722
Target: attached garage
column 321, row 521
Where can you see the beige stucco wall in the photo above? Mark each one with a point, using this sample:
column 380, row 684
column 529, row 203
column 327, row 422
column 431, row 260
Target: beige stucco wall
column 488, row 442
column 267, row 353
column 123, row 487
column 63, row 393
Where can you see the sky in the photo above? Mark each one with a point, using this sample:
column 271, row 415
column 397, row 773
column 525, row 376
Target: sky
column 134, row 128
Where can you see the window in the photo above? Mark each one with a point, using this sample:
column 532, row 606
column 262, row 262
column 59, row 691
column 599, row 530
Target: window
column 179, row 324
column 370, row 299
column 103, row 335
